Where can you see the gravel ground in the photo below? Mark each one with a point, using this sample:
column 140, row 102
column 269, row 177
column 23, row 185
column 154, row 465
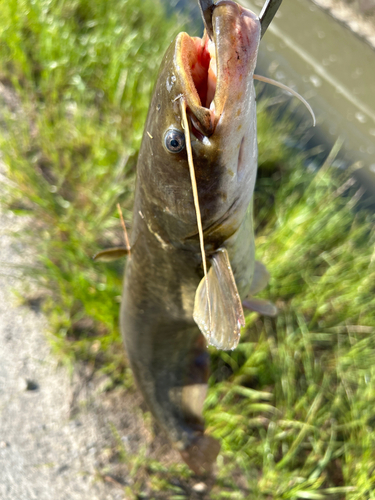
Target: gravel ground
column 56, row 430
column 44, row 453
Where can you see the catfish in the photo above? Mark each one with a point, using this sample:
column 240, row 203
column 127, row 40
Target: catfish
column 163, row 320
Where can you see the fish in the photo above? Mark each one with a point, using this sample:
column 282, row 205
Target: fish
column 163, row 315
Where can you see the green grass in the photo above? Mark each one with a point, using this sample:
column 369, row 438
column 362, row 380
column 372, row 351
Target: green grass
column 298, row 404
column 293, row 404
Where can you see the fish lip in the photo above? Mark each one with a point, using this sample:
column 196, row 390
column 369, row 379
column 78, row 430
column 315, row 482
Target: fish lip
column 236, row 35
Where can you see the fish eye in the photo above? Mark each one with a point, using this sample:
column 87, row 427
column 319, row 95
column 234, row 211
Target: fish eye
column 174, row 140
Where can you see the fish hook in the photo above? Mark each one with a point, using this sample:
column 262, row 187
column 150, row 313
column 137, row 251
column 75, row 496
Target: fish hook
column 267, row 14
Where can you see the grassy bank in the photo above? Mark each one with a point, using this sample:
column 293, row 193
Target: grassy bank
column 293, row 404
column 79, row 71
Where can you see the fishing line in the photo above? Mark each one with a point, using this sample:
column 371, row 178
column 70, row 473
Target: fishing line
column 196, row 201
column 288, row 89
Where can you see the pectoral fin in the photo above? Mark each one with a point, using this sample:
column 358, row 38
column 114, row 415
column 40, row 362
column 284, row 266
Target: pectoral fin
column 226, row 309
column 260, row 279
column 111, row 254
column 260, row 306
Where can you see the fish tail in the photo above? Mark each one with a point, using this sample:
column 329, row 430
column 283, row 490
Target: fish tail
column 201, row 455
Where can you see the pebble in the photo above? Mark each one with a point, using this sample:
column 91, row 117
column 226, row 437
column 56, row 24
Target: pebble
column 200, row 487
column 25, row 384
column 22, row 384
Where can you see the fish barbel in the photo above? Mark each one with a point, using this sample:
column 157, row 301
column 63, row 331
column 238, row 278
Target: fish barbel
column 166, row 348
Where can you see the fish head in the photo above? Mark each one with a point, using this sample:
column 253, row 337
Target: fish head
column 215, row 78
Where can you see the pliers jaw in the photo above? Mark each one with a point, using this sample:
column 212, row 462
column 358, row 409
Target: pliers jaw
column 267, row 14
column 207, row 8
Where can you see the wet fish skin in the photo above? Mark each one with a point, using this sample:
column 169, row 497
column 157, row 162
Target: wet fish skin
column 166, row 349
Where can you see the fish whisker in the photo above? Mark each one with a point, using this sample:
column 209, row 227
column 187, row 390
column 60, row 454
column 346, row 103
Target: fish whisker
column 288, row 89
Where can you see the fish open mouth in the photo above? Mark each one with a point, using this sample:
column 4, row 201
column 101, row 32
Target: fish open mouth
column 203, row 70
column 216, row 73
column 198, row 70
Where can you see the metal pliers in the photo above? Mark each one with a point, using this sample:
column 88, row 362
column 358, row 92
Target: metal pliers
column 268, row 13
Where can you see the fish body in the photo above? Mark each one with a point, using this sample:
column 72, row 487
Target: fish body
column 166, row 349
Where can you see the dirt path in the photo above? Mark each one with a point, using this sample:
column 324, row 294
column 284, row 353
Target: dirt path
column 57, row 438
column 44, row 454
